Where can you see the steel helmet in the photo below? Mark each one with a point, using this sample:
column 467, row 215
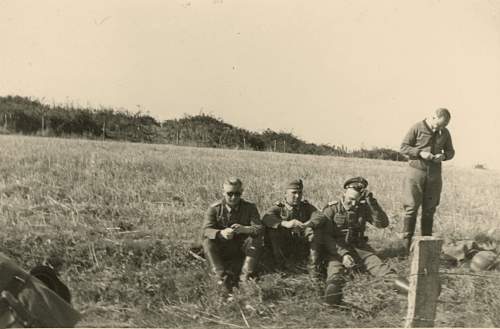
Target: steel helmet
column 483, row 261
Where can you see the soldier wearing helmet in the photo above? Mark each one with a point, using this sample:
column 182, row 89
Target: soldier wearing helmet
column 233, row 236
column 341, row 240
column 288, row 227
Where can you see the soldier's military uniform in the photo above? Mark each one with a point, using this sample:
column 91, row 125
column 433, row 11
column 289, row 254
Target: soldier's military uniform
column 423, row 182
column 343, row 232
column 289, row 246
column 239, row 255
column 26, row 301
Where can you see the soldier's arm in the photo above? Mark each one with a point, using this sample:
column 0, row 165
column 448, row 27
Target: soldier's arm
column 255, row 226
column 374, row 213
column 449, row 151
column 313, row 227
column 408, row 144
column 272, row 217
column 316, row 220
column 210, row 225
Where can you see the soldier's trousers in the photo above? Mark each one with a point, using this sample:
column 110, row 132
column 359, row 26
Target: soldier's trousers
column 287, row 246
column 365, row 259
column 226, row 256
column 422, row 188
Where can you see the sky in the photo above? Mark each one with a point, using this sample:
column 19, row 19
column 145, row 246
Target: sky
column 357, row 73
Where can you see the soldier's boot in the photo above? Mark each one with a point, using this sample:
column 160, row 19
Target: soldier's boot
column 314, row 266
column 408, row 239
column 401, row 285
column 248, row 269
column 217, row 264
column 333, row 293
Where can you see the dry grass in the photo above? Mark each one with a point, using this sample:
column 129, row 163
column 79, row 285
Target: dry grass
column 123, row 216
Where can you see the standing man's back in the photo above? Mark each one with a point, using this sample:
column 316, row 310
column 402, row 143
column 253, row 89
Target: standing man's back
column 426, row 144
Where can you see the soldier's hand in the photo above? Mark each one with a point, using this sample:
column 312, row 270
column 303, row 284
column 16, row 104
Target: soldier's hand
column 426, row 155
column 348, row 261
column 367, row 195
column 438, row 158
column 227, row 233
column 239, row 229
column 292, row 223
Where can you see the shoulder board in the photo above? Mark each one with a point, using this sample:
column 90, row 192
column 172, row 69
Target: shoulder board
column 332, row 203
column 215, row 204
column 279, row 204
column 305, row 201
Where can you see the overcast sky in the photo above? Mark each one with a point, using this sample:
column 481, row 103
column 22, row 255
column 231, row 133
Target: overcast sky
column 350, row 72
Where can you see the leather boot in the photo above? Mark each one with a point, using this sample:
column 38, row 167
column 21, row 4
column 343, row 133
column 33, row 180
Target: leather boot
column 216, row 262
column 333, row 293
column 248, row 269
column 401, row 285
column 314, row 266
column 407, row 243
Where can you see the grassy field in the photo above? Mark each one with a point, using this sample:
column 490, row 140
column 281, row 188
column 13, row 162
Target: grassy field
column 123, row 216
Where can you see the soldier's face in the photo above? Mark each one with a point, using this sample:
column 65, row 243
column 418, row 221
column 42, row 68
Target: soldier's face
column 351, row 196
column 293, row 196
column 232, row 195
column 439, row 123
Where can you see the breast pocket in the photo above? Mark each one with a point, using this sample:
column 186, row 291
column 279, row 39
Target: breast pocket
column 341, row 221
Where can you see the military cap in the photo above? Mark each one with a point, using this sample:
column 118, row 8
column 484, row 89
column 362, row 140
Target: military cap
column 356, row 182
column 295, row 184
column 234, row 181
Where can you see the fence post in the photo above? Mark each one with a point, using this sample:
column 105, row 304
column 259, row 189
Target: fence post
column 424, row 282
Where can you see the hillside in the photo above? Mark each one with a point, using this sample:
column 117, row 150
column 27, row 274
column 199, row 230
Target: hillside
column 23, row 115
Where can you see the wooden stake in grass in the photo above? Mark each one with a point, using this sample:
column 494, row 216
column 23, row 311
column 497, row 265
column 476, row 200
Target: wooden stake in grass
column 424, row 282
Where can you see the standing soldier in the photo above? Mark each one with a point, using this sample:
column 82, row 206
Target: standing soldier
column 427, row 144
column 285, row 225
column 342, row 232
column 232, row 236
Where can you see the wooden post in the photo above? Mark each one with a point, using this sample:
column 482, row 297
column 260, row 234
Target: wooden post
column 424, row 282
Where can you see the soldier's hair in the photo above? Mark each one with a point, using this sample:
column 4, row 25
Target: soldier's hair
column 234, row 181
column 443, row 112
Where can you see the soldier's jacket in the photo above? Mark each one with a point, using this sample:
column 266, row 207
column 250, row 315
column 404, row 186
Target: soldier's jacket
column 282, row 212
column 346, row 228
column 219, row 217
column 419, row 138
column 34, row 302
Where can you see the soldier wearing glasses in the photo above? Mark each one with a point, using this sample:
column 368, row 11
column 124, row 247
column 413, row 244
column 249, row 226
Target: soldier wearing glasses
column 232, row 236
column 341, row 240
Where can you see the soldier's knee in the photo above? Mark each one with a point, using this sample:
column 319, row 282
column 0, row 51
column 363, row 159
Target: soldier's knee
column 376, row 267
column 254, row 246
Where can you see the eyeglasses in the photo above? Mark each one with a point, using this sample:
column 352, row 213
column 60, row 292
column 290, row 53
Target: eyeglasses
column 358, row 188
column 236, row 194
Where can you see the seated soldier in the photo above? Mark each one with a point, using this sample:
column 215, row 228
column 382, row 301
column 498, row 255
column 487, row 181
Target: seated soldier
column 341, row 236
column 26, row 301
column 232, row 236
column 286, row 223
